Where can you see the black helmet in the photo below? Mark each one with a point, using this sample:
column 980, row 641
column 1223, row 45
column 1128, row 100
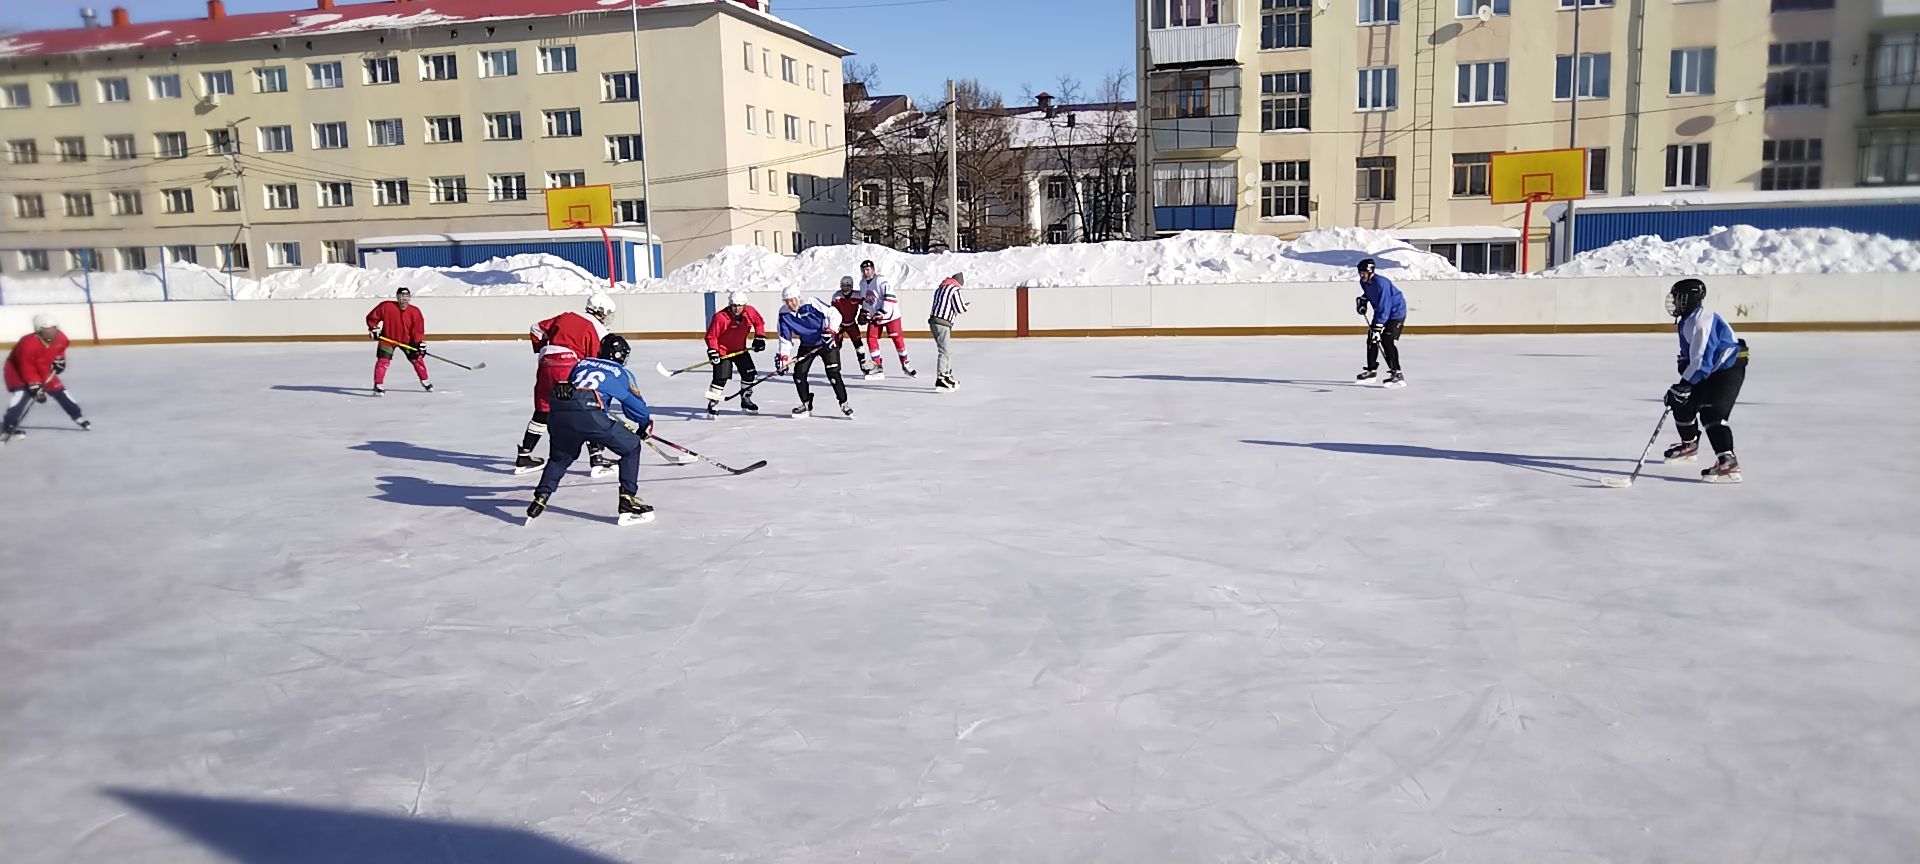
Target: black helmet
column 1685, row 296
column 615, row 348
column 1366, row 266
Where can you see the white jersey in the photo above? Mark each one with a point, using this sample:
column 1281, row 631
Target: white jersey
column 877, row 299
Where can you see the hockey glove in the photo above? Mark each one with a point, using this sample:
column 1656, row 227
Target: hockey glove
column 38, row 392
column 1373, row 334
column 374, row 334
column 1680, row 364
column 646, row 431
column 759, row 344
column 417, row 352
column 864, row 318
column 1678, row 394
column 782, row 364
column 713, row 357
column 1360, row 305
column 59, row 365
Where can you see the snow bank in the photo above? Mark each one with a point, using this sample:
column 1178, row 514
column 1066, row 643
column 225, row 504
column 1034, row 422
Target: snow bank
column 1744, row 249
column 515, row 275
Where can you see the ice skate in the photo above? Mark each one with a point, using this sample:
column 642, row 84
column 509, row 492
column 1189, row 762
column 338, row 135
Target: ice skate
column 943, row 383
column 536, row 508
column 747, row 404
column 846, row 409
column 803, row 411
column 85, row 425
column 1394, row 379
column 634, row 511
column 713, row 410
column 908, row 369
column 598, row 465
column 878, row 374
column 527, row 463
column 1685, row 451
column 1726, row 469
column 427, row 386
column 1366, row 375
column 379, row 390
column 866, row 366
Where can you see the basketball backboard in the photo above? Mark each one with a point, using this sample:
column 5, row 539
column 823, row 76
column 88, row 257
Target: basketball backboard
column 580, row 207
column 1539, row 176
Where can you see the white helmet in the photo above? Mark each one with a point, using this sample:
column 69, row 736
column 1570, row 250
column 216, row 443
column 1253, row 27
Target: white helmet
column 737, row 298
column 600, row 304
column 45, row 321
column 846, row 281
column 791, row 292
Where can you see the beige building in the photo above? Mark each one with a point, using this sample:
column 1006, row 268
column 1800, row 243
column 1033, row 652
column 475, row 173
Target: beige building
column 276, row 140
column 1276, row 116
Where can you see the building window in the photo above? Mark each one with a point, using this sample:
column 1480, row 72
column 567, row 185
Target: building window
column 1687, row 166
column 759, row 238
column 506, row 187
column 15, row 96
column 1895, row 82
column 1790, row 163
column 1379, row 11
column 283, row 254
column 793, row 184
column 329, row 136
column 753, row 179
column 870, row 195
column 77, row 203
column 336, row 252
column 1283, row 189
column 623, row 148
column 1059, row 187
column 499, row 64
column 336, row 193
column 119, row 147
column 276, row 139
column 1890, row 157
column 163, row 86
column 746, row 55
column 270, row 79
column 827, row 136
column 793, row 128
column 1801, row 5
column 1058, row 233
column 23, row 151
column 1586, row 4
column 449, row 190
column 1594, row 77
column 217, row 83
column 440, row 67
column 769, row 124
column 1470, row 8
column 563, row 123
column 1285, row 101
column 1375, row 178
column 1796, row 74
column 226, row 199
column 29, row 207
column 1470, row 172
column 630, row 211
column 766, row 63
column 1596, row 170
column 1491, row 256
column 34, row 260
column 221, row 142
column 178, row 200
column 83, row 259
column 566, row 179
column 325, row 76
column 233, row 256
column 170, row 145
column 1163, row 14
column 809, row 87
column 1286, row 24
column 1482, row 83
column 115, row 90
column 789, row 70
column 180, row 255
column 559, row 58
column 386, row 133
column 813, row 133
column 443, row 130
column 619, row 86
column 132, row 257
column 1186, row 184
column 503, row 127
column 1379, row 89
column 283, row 196
column 751, row 111
column 772, row 176
column 382, row 70
column 390, row 193
column 126, row 203
column 71, row 149
column 1690, row 72
column 63, row 93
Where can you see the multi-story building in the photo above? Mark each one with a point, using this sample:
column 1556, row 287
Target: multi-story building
column 274, row 140
column 1275, row 116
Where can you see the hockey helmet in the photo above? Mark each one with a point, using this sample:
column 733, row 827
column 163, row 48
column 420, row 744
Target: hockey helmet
column 615, row 348
column 737, row 298
column 791, row 292
column 1685, row 296
column 846, row 282
column 600, row 304
column 1366, row 266
column 45, row 321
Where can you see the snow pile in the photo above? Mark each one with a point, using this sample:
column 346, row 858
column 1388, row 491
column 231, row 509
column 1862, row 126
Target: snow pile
column 1325, row 255
column 515, row 275
column 1744, row 249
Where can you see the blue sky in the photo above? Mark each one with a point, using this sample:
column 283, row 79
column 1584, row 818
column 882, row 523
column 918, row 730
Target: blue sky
column 916, row 43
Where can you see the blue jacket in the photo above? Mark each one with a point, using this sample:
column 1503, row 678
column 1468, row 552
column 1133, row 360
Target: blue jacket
column 814, row 324
column 1707, row 344
column 1387, row 301
column 613, row 385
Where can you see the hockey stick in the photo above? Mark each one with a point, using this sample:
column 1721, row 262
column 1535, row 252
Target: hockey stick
column 18, row 421
column 748, row 388
column 661, row 367
column 1618, row 483
column 480, row 365
column 677, row 460
column 715, row 462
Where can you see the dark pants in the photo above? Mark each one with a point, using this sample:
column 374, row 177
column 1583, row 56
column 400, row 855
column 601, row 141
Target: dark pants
column 1711, row 404
column 830, row 353
column 724, row 370
column 576, row 422
column 18, row 400
column 1389, row 335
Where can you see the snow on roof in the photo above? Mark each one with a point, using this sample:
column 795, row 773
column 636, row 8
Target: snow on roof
column 1878, row 195
column 1031, row 127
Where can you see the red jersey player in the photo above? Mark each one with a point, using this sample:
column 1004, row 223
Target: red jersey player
column 398, row 319
column 33, row 373
column 727, row 334
column 848, row 302
column 561, row 341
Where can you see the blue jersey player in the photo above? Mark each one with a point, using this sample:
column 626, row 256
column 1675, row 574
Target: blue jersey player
column 1383, row 328
column 1713, row 365
column 598, row 404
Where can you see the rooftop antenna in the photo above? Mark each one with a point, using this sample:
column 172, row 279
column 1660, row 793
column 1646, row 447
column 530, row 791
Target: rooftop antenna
column 88, row 18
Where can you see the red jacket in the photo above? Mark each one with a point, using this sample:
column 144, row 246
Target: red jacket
column 849, row 307
column 568, row 331
column 31, row 362
column 406, row 325
column 727, row 334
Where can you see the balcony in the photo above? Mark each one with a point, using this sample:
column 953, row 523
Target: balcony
column 1199, row 118
column 1204, row 43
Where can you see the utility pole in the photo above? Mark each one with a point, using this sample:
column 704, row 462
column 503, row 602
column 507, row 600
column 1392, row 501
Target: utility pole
column 1143, row 128
column 953, row 171
column 1573, row 129
column 646, row 156
column 240, row 187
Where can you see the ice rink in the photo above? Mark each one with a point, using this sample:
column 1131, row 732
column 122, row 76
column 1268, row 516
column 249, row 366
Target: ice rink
column 1117, row 600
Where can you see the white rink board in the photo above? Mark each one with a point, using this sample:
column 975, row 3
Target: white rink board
column 1119, row 600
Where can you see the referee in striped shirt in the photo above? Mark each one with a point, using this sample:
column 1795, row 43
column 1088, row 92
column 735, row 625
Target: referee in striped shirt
column 947, row 305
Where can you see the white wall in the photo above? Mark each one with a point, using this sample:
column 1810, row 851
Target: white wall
column 1625, row 303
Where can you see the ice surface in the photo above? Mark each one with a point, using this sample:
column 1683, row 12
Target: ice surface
column 1118, row 600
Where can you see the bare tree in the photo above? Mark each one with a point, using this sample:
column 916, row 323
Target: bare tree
column 1092, row 152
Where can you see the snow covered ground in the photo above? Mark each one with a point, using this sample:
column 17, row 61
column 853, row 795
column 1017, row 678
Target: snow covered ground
column 1746, row 249
column 1118, row 600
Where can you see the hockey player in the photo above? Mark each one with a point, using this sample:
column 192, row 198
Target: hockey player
column 1713, row 365
column 947, row 305
column 398, row 319
column 599, row 405
column 809, row 326
column 1383, row 329
column 727, row 334
column 33, row 373
column 560, row 342
column 882, row 312
column 848, row 302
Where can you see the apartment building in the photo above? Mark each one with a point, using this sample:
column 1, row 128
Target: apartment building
column 1276, row 116
column 276, row 140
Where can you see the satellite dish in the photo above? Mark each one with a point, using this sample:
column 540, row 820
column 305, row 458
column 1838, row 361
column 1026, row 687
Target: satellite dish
column 1252, row 178
column 1484, row 13
column 1324, row 4
column 1742, row 108
column 1252, row 197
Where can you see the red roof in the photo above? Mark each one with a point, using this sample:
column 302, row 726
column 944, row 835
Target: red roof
column 317, row 20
